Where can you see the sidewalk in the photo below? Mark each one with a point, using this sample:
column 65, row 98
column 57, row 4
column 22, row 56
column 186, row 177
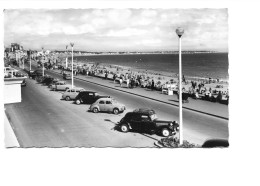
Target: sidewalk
column 10, row 138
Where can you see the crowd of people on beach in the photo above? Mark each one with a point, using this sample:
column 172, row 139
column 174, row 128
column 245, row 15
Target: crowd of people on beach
column 130, row 79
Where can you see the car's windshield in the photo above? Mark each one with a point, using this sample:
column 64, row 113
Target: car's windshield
column 153, row 117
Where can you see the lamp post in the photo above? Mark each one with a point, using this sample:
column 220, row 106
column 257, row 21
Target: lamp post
column 180, row 32
column 23, row 60
column 66, row 65
column 72, row 83
column 30, row 60
column 42, row 64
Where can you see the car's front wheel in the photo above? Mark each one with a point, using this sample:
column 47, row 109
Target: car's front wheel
column 124, row 128
column 67, row 98
column 95, row 110
column 165, row 132
column 115, row 111
column 77, row 101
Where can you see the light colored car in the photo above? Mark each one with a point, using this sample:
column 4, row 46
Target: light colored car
column 60, row 85
column 107, row 105
column 71, row 93
column 66, row 76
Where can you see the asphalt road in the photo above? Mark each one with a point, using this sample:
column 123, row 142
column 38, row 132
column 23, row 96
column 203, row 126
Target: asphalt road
column 197, row 127
column 43, row 120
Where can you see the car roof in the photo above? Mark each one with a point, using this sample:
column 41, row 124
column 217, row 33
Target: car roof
column 87, row 91
column 76, row 88
column 144, row 111
column 105, row 99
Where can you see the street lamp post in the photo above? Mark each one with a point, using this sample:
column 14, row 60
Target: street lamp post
column 42, row 63
column 23, row 62
column 66, row 65
column 180, row 32
column 72, row 80
column 30, row 60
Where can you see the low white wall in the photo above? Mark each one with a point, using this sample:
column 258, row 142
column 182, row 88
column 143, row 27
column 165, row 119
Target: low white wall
column 12, row 91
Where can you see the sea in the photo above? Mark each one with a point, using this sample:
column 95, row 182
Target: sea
column 206, row 65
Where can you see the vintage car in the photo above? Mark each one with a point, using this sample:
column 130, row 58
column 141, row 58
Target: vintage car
column 23, row 83
column 107, row 105
column 35, row 74
column 145, row 120
column 87, row 97
column 55, row 80
column 70, row 94
column 66, row 76
column 60, row 85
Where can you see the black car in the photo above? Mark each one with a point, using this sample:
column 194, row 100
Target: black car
column 215, row 143
column 145, row 120
column 23, row 83
column 88, row 97
column 36, row 73
column 47, row 81
column 53, row 81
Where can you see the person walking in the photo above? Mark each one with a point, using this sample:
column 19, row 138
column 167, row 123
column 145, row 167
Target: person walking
column 114, row 77
column 152, row 85
column 127, row 82
column 121, row 81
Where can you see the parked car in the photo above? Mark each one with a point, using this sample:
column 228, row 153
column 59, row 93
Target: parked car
column 43, row 79
column 66, row 76
column 211, row 143
column 88, row 97
column 60, row 85
column 23, row 83
column 30, row 72
column 47, row 80
column 107, row 105
column 71, row 93
column 36, row 73
column 145, row 120
column 53, row 82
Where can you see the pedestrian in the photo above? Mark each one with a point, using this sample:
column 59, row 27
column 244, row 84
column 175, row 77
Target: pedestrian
column 127, row 82
column 152, row 85
column 121, row 81
column 114, row 77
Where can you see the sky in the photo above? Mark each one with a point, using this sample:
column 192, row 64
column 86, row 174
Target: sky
column 117, row 29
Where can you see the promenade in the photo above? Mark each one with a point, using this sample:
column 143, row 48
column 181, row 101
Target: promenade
column 210, row 108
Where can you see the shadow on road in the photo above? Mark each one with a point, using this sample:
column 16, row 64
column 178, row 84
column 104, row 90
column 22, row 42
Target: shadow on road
column 148, row 136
